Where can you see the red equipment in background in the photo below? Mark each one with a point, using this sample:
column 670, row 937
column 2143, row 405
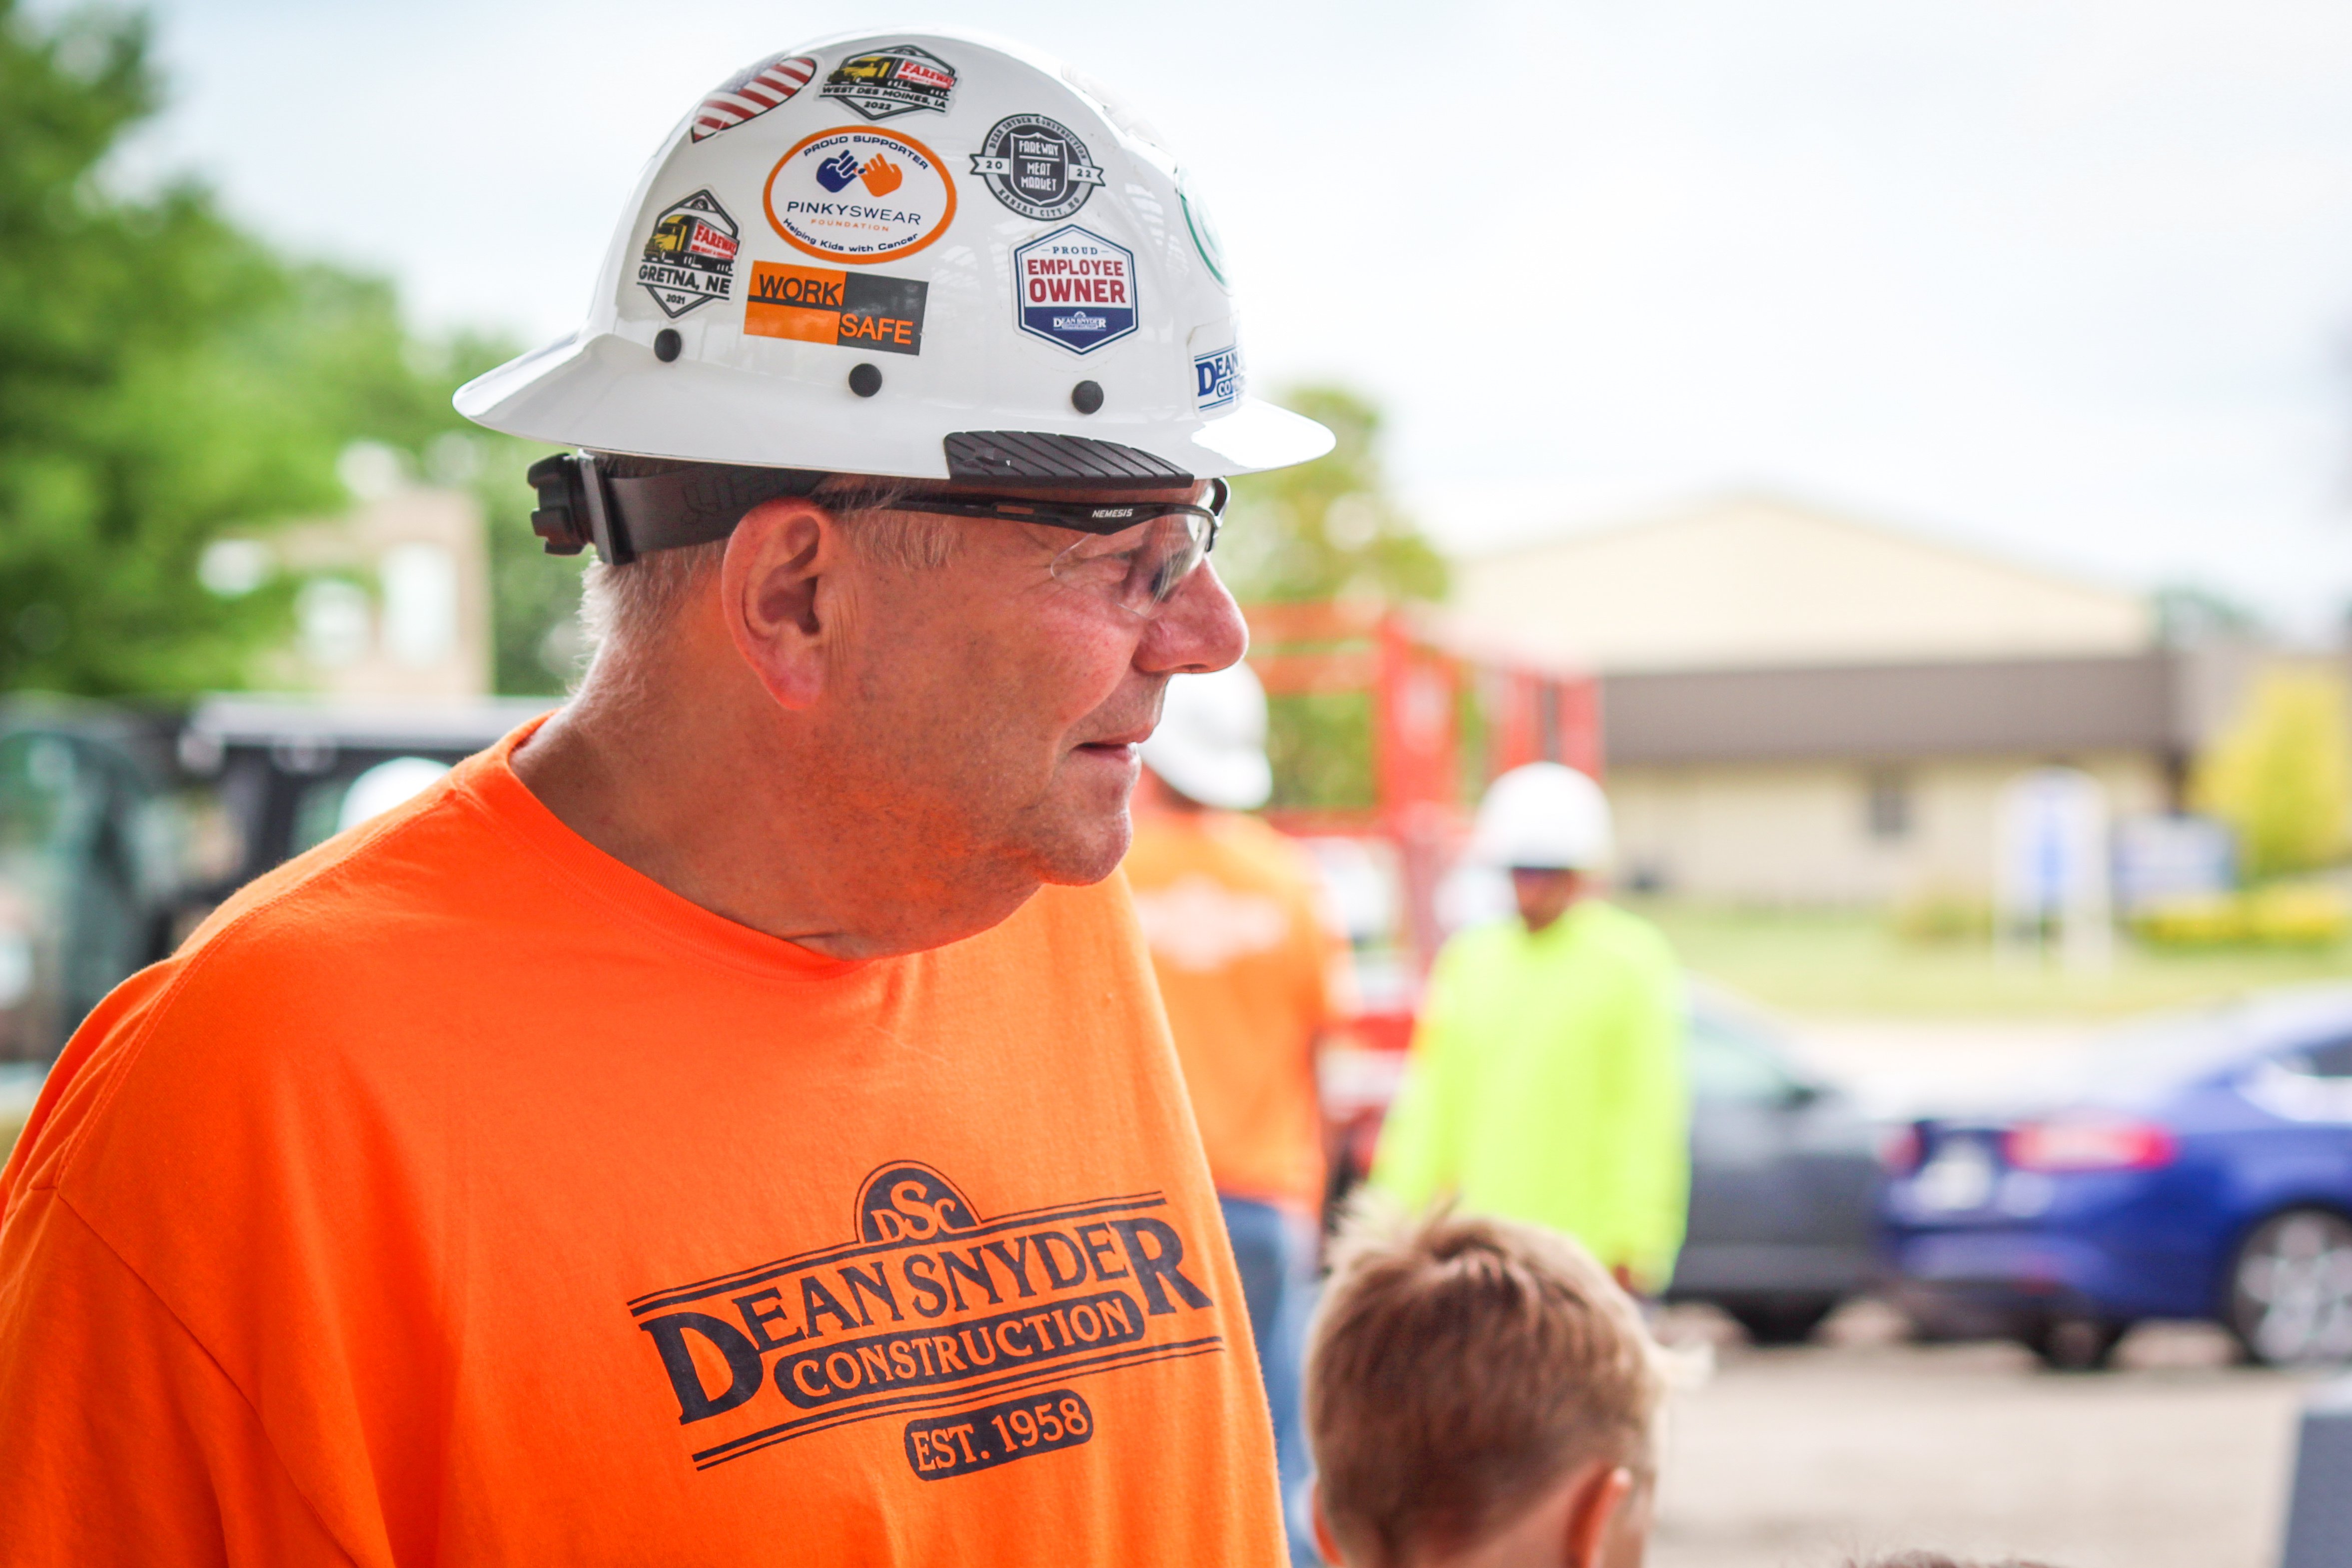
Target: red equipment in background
column 1423, row 683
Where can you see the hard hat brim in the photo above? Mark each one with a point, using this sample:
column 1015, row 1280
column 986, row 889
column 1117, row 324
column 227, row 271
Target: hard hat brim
column 610, row 393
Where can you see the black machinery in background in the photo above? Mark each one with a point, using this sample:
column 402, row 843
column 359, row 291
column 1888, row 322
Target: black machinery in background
column 121, row 829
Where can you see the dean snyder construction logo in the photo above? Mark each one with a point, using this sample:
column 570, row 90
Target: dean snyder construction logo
column 930, row 1305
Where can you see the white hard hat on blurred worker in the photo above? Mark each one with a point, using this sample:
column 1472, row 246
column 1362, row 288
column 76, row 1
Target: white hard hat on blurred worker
column 1210, row 744
column 913, row 254
column 1544, row 816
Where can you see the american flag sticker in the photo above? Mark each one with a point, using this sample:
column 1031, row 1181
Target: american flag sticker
column 749, row 94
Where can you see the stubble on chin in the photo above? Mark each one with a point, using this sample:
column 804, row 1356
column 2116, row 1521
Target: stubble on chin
column 1075, row 844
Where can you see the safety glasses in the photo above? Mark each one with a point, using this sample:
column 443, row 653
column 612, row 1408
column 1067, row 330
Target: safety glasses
column 1137, row 554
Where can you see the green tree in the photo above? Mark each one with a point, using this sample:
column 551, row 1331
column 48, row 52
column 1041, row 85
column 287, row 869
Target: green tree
column 1329, row 528
column 2280, row 774
column 165, row 378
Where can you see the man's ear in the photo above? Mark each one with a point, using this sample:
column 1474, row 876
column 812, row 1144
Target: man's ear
column 1598, row 1498
column 780, row 593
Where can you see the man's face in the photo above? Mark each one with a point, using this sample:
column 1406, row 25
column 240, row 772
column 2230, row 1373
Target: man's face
column 1544, row 893
column 1001, row 706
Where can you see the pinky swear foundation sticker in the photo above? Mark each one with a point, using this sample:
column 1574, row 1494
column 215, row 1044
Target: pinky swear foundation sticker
column 859, row 196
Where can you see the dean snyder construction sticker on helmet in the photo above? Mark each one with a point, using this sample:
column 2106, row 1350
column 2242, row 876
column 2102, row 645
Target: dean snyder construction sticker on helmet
column 860, row 196
column 927, row 1306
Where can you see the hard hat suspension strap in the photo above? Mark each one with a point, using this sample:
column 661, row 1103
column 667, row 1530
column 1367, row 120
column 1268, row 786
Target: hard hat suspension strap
column 582, row 501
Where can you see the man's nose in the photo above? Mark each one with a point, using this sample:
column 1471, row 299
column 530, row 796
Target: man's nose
column 1199, row 629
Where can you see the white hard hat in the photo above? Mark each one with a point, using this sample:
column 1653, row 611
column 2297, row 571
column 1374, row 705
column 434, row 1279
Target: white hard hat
column 386, row 785
column 1210, row 743
column 915, row 255
column 1543, row 815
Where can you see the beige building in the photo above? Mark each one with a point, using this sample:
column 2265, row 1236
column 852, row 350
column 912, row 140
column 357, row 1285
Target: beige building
column 398, row 600
column 1803, row 708
column 1748, row 580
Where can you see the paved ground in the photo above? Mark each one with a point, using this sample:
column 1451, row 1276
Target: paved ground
column 1801, row 1459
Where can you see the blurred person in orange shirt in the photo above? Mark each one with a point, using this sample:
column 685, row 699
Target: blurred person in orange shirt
column 1255, row 981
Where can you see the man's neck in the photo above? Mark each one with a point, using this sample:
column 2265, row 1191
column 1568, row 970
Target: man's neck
column 717, row 805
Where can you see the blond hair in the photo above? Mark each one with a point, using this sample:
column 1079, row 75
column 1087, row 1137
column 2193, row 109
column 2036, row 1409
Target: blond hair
column 1459, row 1368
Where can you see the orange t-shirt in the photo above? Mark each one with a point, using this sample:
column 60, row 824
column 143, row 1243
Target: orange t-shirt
column 458, row 1196
column 1244, row 965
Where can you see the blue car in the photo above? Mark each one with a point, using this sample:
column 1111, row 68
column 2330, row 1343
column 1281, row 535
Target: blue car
column 2196, row 1167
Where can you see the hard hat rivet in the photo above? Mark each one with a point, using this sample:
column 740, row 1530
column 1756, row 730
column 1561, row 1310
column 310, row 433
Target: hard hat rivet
column 864, row 380
column 666, row 342
column 1087, row 396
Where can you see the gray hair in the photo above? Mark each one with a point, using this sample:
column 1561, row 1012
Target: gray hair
column 626, row 607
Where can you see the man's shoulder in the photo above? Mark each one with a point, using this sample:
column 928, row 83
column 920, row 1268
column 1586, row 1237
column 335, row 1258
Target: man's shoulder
column 431, row 860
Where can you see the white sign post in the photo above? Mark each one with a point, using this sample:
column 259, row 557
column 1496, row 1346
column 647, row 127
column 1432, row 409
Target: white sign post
column 2052, row 867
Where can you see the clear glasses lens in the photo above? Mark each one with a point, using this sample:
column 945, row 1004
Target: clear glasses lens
column 1140, row 569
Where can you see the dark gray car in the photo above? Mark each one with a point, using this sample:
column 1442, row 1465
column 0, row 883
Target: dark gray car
column 1784, row 1178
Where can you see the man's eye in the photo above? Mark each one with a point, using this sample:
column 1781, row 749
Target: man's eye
column 1107, row 565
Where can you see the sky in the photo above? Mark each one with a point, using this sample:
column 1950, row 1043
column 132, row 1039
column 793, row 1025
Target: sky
column 2068, row 281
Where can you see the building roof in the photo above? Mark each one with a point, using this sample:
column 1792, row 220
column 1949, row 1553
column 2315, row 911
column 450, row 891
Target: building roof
column 1754, row 580
column 2052, row 706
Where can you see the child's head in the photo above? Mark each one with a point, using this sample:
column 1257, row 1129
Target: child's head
column 1480, row 1391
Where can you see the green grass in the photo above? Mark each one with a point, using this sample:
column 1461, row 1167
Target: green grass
column 1854, row 963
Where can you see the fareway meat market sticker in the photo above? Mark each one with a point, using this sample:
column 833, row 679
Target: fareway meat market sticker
column 1074, row 288
column 859, row 196
column 886, row 83
column 689, row 256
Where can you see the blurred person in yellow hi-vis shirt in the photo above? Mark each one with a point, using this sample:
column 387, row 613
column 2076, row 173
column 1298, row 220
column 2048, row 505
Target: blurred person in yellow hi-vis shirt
column 1546, row 1080
column 1254, row 978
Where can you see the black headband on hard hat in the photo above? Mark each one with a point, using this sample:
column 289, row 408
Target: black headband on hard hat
column 582, row 501
column 592, row 497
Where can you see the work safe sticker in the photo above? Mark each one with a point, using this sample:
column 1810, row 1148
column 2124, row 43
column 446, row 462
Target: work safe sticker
column 850, row 310
column 928, row 1305
column 859, row 196
column 689, row 256
column 1074, row 288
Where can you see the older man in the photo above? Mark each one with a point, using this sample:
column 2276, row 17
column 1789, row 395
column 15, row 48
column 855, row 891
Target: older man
column 724, row 1123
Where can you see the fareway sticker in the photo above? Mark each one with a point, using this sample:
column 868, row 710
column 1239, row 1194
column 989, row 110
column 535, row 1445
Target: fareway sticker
column 1074, row 288
column 859, row 196
column 689, row 256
